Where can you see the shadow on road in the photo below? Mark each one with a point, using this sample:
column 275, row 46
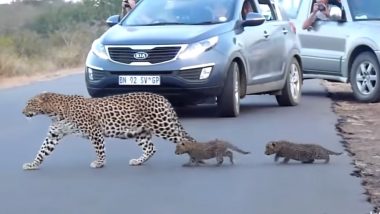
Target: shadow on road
column 342, row 96
column 338, row 95
column 336, row 92
column 314, row 94
column 207, row 111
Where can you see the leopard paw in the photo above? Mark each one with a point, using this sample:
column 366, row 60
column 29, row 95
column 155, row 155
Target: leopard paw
column 97, row 164
column 29, row 166
column 135, row 162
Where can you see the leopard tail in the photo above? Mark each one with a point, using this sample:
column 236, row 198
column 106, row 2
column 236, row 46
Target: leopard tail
column 181, row 131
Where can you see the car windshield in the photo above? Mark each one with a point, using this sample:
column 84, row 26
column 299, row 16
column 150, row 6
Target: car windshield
column 365, row 9
column 180, row 12
column 290, row 7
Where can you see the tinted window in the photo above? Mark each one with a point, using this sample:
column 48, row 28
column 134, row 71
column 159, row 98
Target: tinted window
column 365, row 9
column 268, row 12
column 161, row 12
column 247, row 7
column 291, row 7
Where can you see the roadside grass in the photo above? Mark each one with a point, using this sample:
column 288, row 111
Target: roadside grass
column 45, row 36
column 27, row 53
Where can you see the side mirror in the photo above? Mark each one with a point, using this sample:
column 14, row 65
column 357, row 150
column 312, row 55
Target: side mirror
column 336, row 13
column 113, row 20
column 253, row 19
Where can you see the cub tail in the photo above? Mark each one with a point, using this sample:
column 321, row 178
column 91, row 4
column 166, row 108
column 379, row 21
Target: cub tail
column 236, row 149
column 333, row 153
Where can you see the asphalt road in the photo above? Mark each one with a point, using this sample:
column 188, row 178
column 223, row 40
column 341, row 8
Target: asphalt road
column 66, row 184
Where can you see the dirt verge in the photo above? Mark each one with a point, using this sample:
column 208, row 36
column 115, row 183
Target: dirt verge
column 359, row 125
column 9, row 82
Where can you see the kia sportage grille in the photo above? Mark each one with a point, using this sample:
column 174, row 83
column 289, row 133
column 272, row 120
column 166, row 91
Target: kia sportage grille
column 155, row 55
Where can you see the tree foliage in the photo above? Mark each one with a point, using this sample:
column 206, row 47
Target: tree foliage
column 45, row 35
column 67, row 16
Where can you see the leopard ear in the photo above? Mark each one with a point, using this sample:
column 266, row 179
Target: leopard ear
column 273, row 144
column 44, row 96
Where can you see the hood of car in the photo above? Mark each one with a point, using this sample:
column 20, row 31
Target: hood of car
column 161, row 35
column 375, row 25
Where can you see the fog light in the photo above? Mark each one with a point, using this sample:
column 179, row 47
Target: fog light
column 205, row 73
column 90, row 74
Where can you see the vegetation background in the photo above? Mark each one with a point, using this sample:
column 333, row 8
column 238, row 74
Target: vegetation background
column 39, row 36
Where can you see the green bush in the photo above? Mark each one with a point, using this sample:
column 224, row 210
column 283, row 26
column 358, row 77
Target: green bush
column 28, row 44
column 88, row 11
column 57, row 36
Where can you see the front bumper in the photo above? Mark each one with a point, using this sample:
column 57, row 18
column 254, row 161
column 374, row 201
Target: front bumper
column 173, row 83
column 177, row 78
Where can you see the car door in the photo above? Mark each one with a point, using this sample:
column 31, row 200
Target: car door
column 322, row 46
column 264, row 46
column 251, row 41
column 276, row 31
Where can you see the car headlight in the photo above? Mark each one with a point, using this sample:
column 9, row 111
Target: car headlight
column 98, row 49
column 198, row 48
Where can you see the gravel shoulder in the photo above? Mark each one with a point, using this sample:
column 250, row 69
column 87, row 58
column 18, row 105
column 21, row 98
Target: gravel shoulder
column 359, row 125
column 16, row 81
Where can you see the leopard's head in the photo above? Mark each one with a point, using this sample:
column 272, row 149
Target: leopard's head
column 272, row 147
column 37, row 105
column 182, row 147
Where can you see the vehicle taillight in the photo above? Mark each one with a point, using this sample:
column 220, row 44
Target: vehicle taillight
column 293, row 27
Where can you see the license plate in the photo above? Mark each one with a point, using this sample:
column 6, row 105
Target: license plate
column 139, row 80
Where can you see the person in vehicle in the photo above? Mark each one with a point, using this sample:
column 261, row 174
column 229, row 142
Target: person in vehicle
column 321, row 11
column 126, row 6
column 246, row 9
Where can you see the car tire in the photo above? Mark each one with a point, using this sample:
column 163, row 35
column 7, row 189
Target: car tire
column 229, row 100
column 365, row 78
column 291, row 93
column 92, row 93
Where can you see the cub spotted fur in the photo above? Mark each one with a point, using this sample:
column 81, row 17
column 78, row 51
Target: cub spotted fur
column 202, row 151
column 137, row 115
column 306, row 153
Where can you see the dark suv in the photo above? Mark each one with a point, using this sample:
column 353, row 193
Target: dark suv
column 195, row 51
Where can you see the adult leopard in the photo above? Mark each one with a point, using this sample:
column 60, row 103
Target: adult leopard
column 135, row 115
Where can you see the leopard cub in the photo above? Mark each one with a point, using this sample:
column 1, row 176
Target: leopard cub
column 306, row 153
column 207, row 150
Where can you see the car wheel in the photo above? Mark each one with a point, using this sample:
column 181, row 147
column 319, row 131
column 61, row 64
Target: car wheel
column 365, row 78
column 229, row 100
column 291, row 93
column 92, row 93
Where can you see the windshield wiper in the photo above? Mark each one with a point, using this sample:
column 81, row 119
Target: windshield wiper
column 205, row 23
column 165, row 23
column 180, row 23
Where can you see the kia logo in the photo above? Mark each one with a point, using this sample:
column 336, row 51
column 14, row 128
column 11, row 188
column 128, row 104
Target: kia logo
column 140, row 55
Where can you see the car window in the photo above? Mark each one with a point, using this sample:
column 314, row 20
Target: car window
column 364, row 10
column 321, row 16
column 268, row 12
column 191, row 12
column 247, row 7
column 291, row 7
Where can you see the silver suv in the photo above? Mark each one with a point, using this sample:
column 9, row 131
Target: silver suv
column 346, row 48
